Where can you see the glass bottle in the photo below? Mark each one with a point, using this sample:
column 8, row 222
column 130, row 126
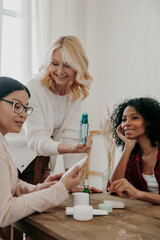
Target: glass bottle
column 105, row 177
column 86, row 187
column 84, row 128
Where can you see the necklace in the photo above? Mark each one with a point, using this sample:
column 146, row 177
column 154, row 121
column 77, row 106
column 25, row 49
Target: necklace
column 59, row 102
column 151, row 155
column 153, row 151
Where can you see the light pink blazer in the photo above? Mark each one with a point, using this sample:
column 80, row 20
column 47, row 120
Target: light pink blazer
column 19, row 199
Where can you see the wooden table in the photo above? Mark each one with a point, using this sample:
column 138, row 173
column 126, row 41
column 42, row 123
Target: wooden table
column 138, row 220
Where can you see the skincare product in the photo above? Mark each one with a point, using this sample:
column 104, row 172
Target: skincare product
column 86, row 187
column 80, row 198
column 84, row 128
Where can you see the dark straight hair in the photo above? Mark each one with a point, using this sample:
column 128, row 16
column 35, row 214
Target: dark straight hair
column 9, row 85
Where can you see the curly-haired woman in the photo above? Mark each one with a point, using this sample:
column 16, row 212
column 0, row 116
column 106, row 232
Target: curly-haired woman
column 136, row 128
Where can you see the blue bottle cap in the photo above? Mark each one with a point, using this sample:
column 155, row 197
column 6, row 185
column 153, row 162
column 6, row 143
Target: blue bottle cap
column 84, row 118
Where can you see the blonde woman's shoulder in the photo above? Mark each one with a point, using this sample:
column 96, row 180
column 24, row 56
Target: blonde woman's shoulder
column 36, row 81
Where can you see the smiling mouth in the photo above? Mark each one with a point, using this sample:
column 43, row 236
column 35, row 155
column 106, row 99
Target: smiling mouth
column 61, row 77
column 129, row 130
column 21, row 123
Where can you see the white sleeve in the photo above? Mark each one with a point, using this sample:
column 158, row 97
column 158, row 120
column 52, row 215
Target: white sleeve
column 37, row 134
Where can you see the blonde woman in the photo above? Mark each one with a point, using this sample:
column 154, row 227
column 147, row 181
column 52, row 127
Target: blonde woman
column 56, row 96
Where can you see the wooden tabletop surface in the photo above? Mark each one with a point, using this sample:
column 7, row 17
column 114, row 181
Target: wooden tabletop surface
column 138, row 220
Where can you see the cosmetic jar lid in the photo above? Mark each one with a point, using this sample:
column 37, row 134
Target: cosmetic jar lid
column 114, row 203
column 83, row 212
column 105, row 207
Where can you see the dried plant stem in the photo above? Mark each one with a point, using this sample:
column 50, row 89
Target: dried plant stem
column 109, row 141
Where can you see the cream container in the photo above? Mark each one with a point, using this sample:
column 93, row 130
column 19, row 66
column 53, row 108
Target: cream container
column 83, row 212
column 96, row 212
column 80, row 198
column 114, row 203
column 107, row 207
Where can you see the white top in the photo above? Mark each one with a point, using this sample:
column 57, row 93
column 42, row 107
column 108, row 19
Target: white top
column 41, row 125
column 59, row 108
column 19, row 199
column 152, row 183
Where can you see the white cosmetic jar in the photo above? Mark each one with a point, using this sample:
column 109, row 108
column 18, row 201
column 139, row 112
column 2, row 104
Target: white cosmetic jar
column 83, row 212
column 80, row 198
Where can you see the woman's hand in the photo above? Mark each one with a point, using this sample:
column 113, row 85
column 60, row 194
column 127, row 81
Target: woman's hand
column 51, row 180
column 76, row 148
column 80, row 148
column 80, row 189
column 72, row 179
column 54, row 178
column 127, row 141
column 95, row 190
column 123, row 188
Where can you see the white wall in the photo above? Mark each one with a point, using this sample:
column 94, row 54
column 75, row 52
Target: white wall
column 122, row 40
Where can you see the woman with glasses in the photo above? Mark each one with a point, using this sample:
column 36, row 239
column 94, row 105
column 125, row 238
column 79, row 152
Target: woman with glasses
column 56, row 96
column 19, row 107
column 18, row 198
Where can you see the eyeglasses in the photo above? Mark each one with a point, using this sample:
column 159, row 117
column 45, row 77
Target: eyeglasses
column 18, row 107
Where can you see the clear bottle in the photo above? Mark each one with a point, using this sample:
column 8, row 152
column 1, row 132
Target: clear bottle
column 105, row 177
column 86, row 187
column 84, row 128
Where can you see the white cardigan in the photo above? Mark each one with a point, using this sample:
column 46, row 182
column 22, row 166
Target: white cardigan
column 40, row 127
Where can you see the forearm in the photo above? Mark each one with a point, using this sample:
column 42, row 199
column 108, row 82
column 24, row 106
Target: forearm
column 149, row 197
column 65, row 148
column 121, row 167
column 15, row 208
column 42, row 144
column 124, row 188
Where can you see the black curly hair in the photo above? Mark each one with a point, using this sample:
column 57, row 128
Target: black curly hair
column 149, row 108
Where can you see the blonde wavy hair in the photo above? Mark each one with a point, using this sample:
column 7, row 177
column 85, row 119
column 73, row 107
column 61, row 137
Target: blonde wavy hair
column 74, row 55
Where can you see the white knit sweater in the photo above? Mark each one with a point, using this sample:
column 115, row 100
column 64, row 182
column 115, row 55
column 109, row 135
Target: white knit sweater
column 40, row 127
